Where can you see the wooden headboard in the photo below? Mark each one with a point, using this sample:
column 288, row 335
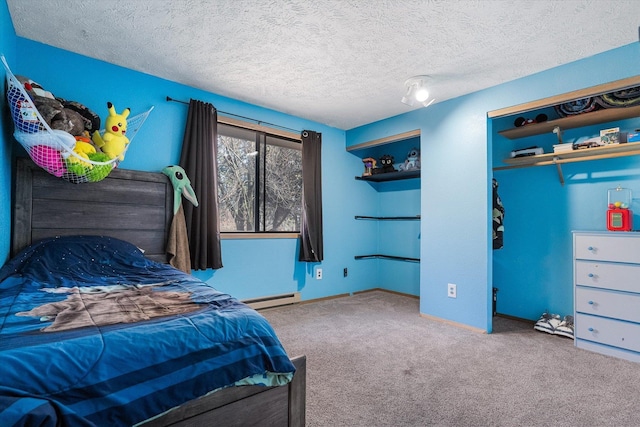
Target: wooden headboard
column 129, row 205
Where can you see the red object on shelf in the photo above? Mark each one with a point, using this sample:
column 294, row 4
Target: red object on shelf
column 619, row 219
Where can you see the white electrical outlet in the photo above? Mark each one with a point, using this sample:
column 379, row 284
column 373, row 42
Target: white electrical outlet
column 318, row 273
column 451, row 290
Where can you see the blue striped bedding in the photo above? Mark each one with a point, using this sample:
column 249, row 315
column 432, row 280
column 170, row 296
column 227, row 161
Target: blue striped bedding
column 94, row 333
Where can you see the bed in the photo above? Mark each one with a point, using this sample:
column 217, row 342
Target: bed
column 95, row 332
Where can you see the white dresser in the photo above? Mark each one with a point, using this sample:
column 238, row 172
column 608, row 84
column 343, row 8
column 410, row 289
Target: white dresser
column 606, row 277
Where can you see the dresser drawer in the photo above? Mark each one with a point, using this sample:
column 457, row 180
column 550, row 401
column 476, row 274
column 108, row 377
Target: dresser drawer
column 618, row 247
column 608, row 331
column 609, row 304
column 622, row 277
column 609, row 351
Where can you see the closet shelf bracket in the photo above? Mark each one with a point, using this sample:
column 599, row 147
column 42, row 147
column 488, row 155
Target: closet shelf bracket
column 559, row 168
column 558, row 133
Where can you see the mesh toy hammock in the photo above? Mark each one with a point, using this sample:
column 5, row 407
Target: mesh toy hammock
column 57, row 151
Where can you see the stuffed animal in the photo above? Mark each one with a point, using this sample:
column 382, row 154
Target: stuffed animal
column 181, row 186
column 412, row 162
column 51, row 109
column 59, row 117
column 386, row 162
column 90, row 119
column 48, row 159
column 23, row 112
column 178, row 242
column 369, row 166
column 34, row 88
column 82, row 149
column 113, row 143
column 99, row 172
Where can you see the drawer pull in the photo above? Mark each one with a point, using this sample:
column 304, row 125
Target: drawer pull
column 590, row 303
column 590, row 248
column 590, row 274
column 591, row 329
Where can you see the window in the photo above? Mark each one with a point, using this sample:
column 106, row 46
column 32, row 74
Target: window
column 259, row 181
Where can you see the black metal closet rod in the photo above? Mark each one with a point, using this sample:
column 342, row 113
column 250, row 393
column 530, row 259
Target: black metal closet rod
column 397, row 258
column 388, row 217
column 236, row 115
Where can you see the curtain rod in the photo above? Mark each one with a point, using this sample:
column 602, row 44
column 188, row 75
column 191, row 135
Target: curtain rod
column 260, row 122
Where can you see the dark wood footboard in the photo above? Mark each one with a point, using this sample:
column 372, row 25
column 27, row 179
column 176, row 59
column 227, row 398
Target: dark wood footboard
column 245, row 405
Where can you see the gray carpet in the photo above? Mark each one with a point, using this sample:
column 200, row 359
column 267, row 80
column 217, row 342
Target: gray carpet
column 372, row 360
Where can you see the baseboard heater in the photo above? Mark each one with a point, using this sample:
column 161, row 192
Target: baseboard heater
column 273, row 300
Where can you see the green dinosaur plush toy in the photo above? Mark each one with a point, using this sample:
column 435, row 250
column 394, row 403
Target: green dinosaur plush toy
column 181, row 186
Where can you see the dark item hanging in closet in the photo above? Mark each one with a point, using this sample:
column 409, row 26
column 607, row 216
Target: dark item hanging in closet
column 498, row 218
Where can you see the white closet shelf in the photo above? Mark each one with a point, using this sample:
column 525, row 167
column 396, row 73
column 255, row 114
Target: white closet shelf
column 585, row 154
column 573, row 122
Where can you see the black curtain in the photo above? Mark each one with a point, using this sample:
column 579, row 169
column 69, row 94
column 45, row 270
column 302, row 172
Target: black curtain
column 311, row 246
column 198, row 159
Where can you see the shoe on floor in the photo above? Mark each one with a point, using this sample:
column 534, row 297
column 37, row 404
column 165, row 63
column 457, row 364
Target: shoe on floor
column 547, row 323
column 565, row 328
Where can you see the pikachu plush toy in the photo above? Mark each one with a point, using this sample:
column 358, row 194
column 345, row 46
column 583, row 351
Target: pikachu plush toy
column 113, row 143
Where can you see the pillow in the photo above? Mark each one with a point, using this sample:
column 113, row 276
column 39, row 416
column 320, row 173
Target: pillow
column 57, row 261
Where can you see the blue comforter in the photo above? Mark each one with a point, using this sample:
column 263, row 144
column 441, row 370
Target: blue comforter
column 94, row 333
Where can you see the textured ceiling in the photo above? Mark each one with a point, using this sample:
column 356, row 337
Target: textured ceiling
column 338, row 62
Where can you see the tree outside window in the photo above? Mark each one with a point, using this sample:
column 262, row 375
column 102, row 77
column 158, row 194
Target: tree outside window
column 259, row 181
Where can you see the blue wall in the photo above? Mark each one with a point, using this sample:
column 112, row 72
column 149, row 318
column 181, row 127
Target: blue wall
column 533, row 271
column 459, row 147
column 252, row 267
column 391, row 237
column 7, row 48
column 454, row 204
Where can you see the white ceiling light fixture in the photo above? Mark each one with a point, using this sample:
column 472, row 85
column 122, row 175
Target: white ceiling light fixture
column 417, row 91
